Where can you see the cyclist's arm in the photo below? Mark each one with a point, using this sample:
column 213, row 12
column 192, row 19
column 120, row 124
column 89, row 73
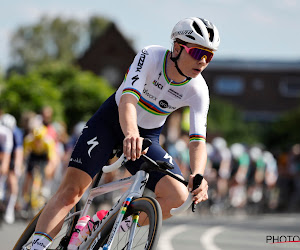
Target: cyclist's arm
column 132, row 88
column 199, row 104
column 132, row 144
column 18, row 153
column 198, row 158
column 51, row 151
column 52, row 158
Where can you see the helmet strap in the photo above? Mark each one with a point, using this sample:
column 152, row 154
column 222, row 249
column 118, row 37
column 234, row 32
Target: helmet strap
column 175, row 59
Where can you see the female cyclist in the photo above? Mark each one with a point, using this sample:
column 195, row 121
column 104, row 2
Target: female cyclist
column 157, row 83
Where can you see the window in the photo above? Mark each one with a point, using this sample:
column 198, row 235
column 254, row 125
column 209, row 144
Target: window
column 258, row 84
column 290, row 86
column 229, row 85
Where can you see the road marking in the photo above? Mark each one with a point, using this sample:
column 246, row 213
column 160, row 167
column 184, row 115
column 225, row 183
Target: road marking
column 207, row 239
column 165, row 240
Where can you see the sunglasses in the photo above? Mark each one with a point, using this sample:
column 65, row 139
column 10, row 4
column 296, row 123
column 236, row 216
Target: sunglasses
column 198, row 53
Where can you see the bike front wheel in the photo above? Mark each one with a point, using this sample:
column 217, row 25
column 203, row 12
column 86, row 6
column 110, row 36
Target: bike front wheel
column 146, row 234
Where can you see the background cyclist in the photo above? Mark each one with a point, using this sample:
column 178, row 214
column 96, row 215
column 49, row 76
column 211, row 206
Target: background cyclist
column 6, row 145
column 15, row 166
column 157, row 83
column 39, row 151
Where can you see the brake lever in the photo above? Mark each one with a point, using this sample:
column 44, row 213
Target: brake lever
column 196, row 183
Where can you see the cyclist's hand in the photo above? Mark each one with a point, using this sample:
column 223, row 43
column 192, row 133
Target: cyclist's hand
column 132, row 147
column 200, row 194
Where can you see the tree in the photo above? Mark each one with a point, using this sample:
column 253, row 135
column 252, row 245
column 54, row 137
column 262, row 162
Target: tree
column 73, row 94
column 226, row 120
column 82, row 91
column 96, row 25
column 53, row 39
column 285, row 132
column 29, row 93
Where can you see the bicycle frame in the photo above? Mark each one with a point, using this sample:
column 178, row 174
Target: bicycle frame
column 136, row 185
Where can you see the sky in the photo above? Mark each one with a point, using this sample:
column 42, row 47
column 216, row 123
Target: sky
column 249, row 29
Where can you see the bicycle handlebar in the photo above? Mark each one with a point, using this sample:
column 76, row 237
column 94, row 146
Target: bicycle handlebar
column 122, row 160
column 189, row 201
column 115, row 165
column 174, row 211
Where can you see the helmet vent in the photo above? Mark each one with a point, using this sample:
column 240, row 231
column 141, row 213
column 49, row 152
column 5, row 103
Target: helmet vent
column 191, row 37
column 211, row 34
column 197, row 28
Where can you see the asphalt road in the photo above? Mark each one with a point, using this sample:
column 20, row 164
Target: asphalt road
column 194, row 232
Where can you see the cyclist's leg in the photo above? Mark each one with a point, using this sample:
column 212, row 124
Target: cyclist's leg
column 27, row 182
column 68, row 194
column 169, row 192
column 13, row 188
column 93, row 150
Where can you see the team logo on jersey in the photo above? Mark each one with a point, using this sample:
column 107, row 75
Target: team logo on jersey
column 157, row 84
column 144, row 53
column 169, row 157
column 164, row 104
column 93, row 142
column 146, row 92
column 175, row 93
column 134, row 79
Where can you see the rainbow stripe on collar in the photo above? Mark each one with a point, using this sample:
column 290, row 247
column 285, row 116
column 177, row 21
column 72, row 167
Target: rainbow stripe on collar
column 165, row 73
column 151, row 107
column 197, row 137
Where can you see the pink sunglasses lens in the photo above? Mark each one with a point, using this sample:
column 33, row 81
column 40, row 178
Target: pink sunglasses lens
column 198, row 54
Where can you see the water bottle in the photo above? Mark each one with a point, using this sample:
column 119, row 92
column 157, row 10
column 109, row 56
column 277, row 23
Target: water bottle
column 75, row 241
column 89, row 227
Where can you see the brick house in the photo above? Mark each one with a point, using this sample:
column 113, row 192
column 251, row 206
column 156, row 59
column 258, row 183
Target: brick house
column 262, row 90
column 109, row 55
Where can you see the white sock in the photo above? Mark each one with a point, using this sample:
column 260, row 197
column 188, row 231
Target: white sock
column 41, row 241
column 12, row 202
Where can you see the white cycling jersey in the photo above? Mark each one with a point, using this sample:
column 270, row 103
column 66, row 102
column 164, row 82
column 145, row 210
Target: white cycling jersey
column 158, row 96
column 6, row 139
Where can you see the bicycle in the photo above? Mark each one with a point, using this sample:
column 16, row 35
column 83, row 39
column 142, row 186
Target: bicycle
column 106, row 234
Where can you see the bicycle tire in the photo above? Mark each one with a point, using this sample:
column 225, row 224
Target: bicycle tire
column 151, row 232
column 26, row 237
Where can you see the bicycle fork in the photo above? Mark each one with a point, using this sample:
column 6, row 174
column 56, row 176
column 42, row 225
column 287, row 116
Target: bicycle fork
column 142, row 177
column 117, row 223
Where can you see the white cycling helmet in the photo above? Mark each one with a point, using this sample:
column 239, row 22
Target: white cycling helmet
column 267, row 156
column 237, row 149
column 197, row 30
column 8, row 121
column 255, row 153
column 219, row 143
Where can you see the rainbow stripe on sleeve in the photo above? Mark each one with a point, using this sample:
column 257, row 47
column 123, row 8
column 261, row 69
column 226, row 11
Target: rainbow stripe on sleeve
column 132, row 91
column 197, row 137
